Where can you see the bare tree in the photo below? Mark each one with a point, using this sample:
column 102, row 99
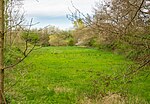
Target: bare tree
column 120, row 22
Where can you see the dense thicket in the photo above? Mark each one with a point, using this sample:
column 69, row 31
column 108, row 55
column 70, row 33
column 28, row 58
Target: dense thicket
column 119, row 25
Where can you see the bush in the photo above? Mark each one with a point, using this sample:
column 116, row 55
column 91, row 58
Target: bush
column 30, row 37
column 71, row 42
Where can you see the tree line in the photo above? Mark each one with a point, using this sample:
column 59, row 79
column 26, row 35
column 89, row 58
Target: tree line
column 122, row 26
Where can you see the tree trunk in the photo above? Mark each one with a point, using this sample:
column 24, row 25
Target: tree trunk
column 1, row 50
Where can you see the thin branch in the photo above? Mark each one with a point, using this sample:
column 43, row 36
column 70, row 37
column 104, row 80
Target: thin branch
column 26, row 49
column 26, row 42
column 133, row 71
column 135, row 14
column 3, row 97
column 138, row 69
column 21, row 59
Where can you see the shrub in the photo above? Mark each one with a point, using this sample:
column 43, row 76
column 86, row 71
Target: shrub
column 30, row 37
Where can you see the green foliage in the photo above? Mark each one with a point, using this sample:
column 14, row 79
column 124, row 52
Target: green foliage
column 79, row 23
column 30, row 37
column 62, row 38
column 12, row 55
column 71, row 42
column 92, row 42
column 65, row 75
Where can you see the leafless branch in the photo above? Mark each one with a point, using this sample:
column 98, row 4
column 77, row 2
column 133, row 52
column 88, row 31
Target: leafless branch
column 25, row 53
column 139, row 68
column 3, row 98
column 7, row 67
column 136, row 13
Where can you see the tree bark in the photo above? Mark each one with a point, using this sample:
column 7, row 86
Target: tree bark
column 1, row 50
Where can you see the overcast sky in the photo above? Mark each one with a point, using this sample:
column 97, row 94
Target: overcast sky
column 54, row 12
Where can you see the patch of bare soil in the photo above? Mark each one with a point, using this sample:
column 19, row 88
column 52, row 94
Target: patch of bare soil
column 113, row 99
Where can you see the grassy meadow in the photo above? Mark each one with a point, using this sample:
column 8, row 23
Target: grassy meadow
column 66, row 75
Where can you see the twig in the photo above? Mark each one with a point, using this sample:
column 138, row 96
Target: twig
column 133, row 71
column 26, row 48
column 139, row 68
column 20, row 60
column 135, row 14
column 3, row 97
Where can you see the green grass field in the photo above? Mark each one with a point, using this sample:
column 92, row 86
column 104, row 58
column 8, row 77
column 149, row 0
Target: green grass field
column 65, row 75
